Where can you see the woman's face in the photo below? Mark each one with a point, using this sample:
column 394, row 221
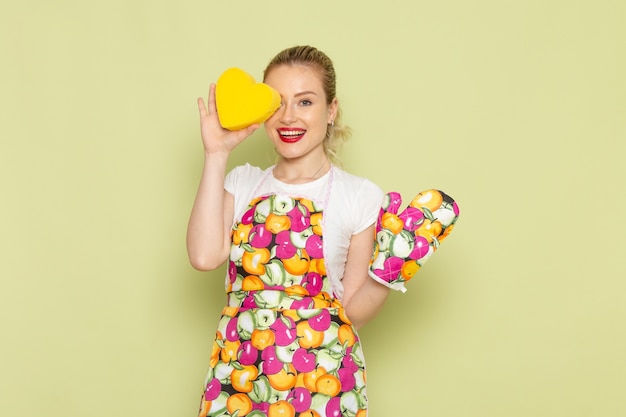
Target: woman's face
column 298, row 127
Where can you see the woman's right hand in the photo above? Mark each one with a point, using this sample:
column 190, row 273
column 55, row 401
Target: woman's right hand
column 215, row 138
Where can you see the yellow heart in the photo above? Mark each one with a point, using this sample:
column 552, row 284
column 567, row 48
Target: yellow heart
column 241, row 101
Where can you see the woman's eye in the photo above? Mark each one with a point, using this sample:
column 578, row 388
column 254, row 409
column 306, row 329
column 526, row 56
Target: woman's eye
column 306, row 102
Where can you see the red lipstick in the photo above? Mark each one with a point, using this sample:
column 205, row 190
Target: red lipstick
column 291, row 134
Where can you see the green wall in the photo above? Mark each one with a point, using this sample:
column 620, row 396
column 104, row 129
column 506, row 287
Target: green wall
column 517, row 109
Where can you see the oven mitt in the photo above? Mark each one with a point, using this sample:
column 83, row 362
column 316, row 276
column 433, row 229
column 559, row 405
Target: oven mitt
column 405, row 241
column 241, row 101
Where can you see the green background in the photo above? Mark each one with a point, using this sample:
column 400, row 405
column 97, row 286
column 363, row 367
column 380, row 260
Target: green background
column 516, row 109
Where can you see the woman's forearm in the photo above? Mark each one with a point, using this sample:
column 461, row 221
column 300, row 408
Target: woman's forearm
column 366, row 302
column 207, row 231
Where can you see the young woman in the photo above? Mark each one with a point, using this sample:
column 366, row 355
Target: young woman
column 298, row 238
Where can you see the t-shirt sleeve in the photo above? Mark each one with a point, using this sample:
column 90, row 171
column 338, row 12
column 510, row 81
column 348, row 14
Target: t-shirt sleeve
column 370, row 198
column 242, row 178
column 241, row 182
column 230, row 182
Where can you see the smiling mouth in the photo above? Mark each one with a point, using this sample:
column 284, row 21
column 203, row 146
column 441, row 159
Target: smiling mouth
column 291, row 135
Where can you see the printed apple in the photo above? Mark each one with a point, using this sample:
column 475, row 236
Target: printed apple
column 236, row 253
column 412, row 218
column 268, row 299
column 331, row 336
column 350, row 402
column 402, row 244
column 284, row 246
column 313, row 283
column 329, row 360
column 218, row 405
column 299, row 238
column 321, row 321
column 242, row 377
column 274, row 273
column 261, row 390
column 223, row 371
column 348, row 360
column 391, row 269
column 222, row 324
column 348, row 381
column 265, row 317
column 423, row 259
column 285, row 330
column 300, row 220
column 231, row 330
column 246, row 323
column 304, row 360
column 383, row 238
column 285, row 353
column 431, row 199
column 298, row 264
column 213, row 389
column 253, row 262
column 259, row 236
column 284, row 380
column 282, row 204
column 248, row 216
column 241, row 233
column 270, row 364
column 392, row 222
column 262, row 338
column 420, row 249
column 445, row 216
column 300, row 399
column 247, row 354
column 392, row 202
column 314, row 246
column 262, row 210
column 333, row 407
column 302, row 306
column 378, row 263
column 307, row 313
column 259, row 409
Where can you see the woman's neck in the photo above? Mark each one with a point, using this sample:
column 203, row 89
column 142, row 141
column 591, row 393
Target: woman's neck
column 292, row 172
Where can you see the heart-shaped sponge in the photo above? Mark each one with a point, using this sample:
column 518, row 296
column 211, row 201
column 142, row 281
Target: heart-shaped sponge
column 241, row 101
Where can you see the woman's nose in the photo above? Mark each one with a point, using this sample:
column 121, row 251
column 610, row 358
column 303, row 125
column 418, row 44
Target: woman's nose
column 288, row 114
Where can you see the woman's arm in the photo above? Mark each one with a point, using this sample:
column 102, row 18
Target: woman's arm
column 363, row 297
column 208, row 232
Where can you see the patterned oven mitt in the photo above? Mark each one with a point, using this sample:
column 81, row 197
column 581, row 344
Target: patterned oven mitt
column 405, row 241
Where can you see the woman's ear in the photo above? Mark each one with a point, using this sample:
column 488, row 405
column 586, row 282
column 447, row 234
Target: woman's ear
column 332, row 111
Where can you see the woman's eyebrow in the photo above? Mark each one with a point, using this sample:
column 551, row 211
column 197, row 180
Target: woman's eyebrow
column 303, row 93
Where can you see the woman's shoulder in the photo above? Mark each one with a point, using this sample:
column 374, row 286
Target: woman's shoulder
column 357, row 183
column 243, row 176
column 248, row 170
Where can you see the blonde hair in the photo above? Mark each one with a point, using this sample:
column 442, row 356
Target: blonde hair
column 336, row 133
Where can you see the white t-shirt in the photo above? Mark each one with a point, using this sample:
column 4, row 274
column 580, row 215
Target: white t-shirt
column 352, row 206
